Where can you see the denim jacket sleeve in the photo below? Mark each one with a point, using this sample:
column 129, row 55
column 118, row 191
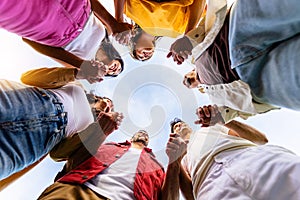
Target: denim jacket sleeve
column 49, row 78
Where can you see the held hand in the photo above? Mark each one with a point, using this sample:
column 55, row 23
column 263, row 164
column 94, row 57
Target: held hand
column 92, row 71
column 180, row 50
column 176, row 147
column 109, row 121
column 209, row 116
column 122, row 33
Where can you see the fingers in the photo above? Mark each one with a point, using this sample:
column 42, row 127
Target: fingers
column 118, row 120
column 109, row 121
column 185, row 54
column 200, row 113
column 197, row 122
column 102, row 70
column 169, row 54
column 123, row 38
column 96, row 79
column 179, row 59
column 176, row 147
column 180, row 50
column 93, row 71
column 208, row 115
column 206, row 111
column 176, row 58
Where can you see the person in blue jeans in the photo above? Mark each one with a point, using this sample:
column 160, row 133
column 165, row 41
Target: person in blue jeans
column 33, row 120
column 260, row 48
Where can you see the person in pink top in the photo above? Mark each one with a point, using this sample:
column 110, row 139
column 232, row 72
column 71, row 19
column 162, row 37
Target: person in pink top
column 56, row 24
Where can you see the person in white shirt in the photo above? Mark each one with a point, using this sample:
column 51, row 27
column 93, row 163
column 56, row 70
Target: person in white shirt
column 127, row 170
column 233, row 99
column 221, row 164
column 251, row 48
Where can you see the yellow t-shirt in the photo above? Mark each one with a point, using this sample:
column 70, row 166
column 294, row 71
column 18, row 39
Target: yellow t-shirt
column 159, row 19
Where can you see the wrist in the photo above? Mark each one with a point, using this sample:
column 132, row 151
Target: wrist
column 120, row 19
column 174, row 166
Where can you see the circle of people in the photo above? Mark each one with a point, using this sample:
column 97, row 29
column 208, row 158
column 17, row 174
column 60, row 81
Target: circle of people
column 245, row 58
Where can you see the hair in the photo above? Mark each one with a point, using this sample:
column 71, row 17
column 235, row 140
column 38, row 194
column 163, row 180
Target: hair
column 142, row 130
column 94, row 98
column 133, row 137
column 173, row 122
column 137, row 32
column 111, row 53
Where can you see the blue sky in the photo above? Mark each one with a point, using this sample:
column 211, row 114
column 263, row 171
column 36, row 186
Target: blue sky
column 149, row 94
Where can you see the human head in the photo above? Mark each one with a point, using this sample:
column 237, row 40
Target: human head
column 180, row 127
column 191, row 79
column 141, row 136
column 100, row 104
column 108, row 55
column 142, row 44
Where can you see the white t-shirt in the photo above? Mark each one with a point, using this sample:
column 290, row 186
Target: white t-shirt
column 203, row 146
column 86, row 44
column 117, row 181
column 77, row 107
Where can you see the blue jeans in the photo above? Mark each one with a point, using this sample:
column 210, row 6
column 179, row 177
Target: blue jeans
column 32, row 121
column 264, row 44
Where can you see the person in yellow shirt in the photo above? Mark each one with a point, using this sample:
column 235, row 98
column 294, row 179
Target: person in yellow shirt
column 105, row 119
column 157, row 18
column 167, row 18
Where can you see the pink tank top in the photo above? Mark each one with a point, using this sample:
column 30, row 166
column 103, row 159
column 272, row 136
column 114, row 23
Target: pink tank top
column 50, row 22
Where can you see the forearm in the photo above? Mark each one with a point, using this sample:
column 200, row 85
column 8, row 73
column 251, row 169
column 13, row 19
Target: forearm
column 247, row 132
column 103, row 15
column 56, row 53
column 170, row 189
column 186, row 186
column 119, row 9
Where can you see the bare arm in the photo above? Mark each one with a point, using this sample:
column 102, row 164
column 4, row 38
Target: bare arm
column 247, row 132
column 106, row 18
column 121, row 31
column 58, row 53
column 186, row 186
column 89, row 139
column 210, row 115
column 119, row 10
column 91, row 71
column 176, row 149
column 170, row 188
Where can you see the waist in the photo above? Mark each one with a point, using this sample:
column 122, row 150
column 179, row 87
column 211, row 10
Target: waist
column 62, row 117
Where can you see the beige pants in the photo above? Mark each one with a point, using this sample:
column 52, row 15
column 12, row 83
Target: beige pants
column 64, row 191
